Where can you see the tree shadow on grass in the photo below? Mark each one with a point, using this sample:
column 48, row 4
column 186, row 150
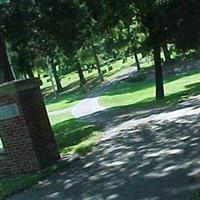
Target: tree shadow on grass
column 124, row 87
column 179, row 75
column 72, row 132
column 146, row 108
column 191, row 90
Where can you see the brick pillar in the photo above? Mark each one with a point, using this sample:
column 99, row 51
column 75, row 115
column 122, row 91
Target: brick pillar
column 27, row 137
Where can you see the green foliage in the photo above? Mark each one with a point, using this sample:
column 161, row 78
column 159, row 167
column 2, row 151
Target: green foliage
column 4, row 1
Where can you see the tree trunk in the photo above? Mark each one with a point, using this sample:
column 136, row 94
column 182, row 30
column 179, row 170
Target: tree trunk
column 52, row 82
column 166, row 53
column 30, row 72
column 38, row 75
column 97, row 62
column 137, row 61
column 81, row 75
column 133, row 49
column 56, row 77
column 14, row 73
column 25, row 75
column 4, row 62
column 158, row 73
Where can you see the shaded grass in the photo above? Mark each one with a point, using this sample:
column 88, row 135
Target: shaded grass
column 142, row 94
column 72, row 79
column 11, row 185
column 196, row 196
column 71, row 136
column 73, row 93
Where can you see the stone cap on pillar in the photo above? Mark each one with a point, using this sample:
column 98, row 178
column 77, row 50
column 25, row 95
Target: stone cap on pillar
column 16, row 86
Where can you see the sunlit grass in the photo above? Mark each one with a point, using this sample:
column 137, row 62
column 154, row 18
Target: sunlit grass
column 69, row 99
column 177, row 87
column 63, row 101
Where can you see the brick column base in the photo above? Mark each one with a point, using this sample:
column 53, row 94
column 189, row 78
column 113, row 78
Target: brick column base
column 25, row 131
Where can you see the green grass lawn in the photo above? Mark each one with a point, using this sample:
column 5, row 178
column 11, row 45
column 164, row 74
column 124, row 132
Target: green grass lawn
column 73, row 93
column 64, row 101
column 140, row 94
column 71, row 136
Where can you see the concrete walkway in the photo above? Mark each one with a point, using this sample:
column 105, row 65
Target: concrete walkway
column 145, row 155
column 90, row 104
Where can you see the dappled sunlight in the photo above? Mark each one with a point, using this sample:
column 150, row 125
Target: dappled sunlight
column 154, row 154
column 140, row 151
column 120, row 88
column 53, row 195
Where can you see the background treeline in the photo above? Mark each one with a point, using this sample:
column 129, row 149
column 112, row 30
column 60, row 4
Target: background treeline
column 62, row 36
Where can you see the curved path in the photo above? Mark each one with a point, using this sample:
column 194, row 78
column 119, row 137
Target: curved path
column 90, row 105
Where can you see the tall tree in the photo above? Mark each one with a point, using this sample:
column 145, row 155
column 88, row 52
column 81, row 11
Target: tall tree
column 152, row 14
column 166, row 52
column 55, row 73
column 97, row 61
column 149, row 13
column 4, row 62
column 132, row 32
column 65, row 21
column 17, row 29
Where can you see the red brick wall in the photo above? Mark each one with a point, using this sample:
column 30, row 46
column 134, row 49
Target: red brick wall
column 28, row 140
